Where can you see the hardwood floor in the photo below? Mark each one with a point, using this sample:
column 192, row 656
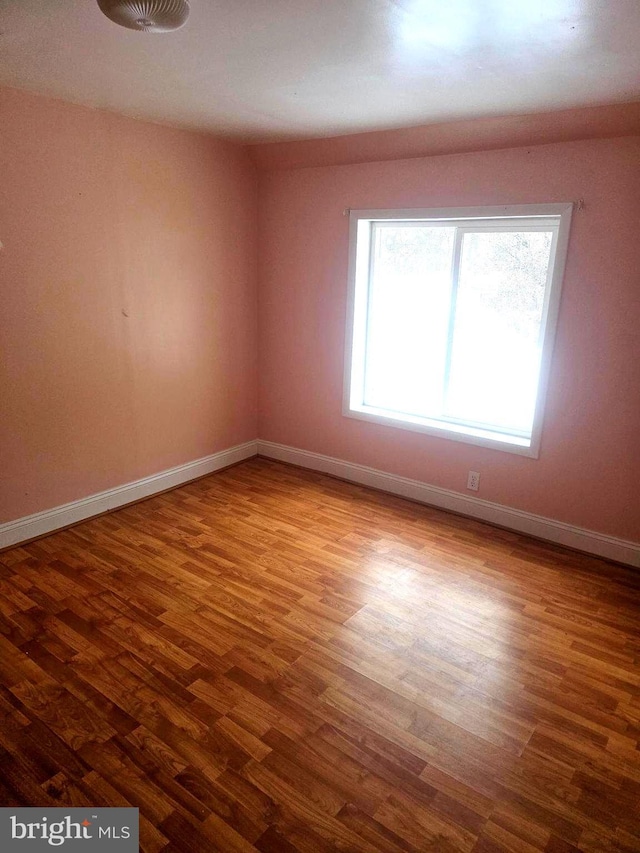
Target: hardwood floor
column 269, row 659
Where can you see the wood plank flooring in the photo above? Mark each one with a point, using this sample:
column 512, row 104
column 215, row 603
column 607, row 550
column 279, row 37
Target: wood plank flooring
column 268, row 659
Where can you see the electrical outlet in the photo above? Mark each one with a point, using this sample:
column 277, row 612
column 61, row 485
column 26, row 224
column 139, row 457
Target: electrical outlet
column 473, row 481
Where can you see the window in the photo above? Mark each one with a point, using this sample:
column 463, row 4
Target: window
column 451, row 320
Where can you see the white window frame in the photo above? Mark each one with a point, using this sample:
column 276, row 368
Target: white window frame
column 357, row 307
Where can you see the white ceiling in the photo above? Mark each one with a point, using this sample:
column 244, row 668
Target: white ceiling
column 287, row 69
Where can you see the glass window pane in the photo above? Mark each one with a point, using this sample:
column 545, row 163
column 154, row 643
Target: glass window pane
column 495, row 352
column 409, row 296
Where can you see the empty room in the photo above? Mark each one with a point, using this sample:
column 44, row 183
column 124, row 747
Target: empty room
column 320, row 426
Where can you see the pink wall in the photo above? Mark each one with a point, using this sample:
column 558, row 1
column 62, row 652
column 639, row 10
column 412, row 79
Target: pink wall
column 127, row 296
column 129, row 321
column 589, row 465
column 452, row 137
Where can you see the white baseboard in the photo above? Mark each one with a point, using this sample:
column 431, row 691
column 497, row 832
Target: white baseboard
column 598, row 544
column 31, row 526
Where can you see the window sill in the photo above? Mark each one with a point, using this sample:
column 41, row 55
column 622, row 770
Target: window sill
column 519, row 445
